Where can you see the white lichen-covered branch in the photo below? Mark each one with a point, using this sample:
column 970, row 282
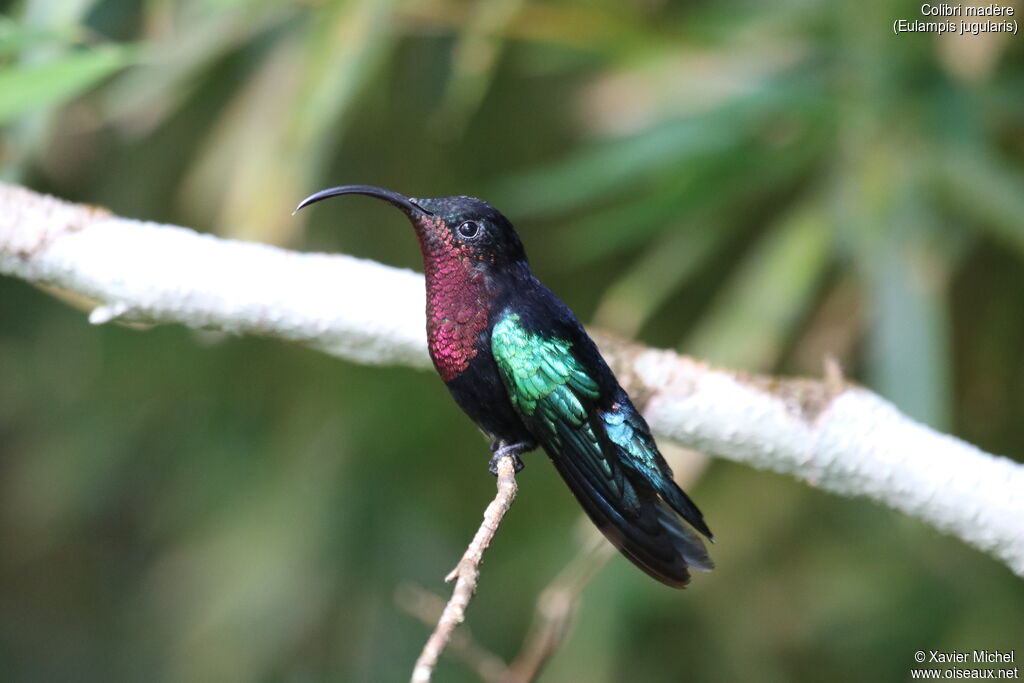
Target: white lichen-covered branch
column 829, row 433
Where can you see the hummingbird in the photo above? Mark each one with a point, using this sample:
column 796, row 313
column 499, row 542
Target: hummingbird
column 521, row 366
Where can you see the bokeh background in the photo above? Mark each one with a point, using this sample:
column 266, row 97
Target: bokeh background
column 759, row 184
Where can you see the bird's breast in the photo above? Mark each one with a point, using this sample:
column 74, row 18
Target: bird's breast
column 456, row 315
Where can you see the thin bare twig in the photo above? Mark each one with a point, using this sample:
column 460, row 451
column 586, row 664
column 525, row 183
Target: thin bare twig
column 556, row 607
column 557, row 604
column 467, row 573
column 428, row 606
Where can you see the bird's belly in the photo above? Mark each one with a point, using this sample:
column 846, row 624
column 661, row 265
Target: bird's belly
column 479, row 391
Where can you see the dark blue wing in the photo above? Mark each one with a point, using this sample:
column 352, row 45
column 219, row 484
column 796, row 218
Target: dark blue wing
column 607, row 457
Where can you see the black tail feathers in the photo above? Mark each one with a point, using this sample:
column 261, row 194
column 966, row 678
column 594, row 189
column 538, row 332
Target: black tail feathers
column 645, row 528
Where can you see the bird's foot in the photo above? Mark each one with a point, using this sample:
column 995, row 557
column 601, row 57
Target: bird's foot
column 517, row 462
column 511, row 450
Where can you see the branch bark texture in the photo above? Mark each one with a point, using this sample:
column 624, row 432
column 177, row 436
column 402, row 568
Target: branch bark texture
column 467, row 573
column 829, row 433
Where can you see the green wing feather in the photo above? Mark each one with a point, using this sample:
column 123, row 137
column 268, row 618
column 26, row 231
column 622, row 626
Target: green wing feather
column 555, row 397
column 536, row 368
column 606, row 457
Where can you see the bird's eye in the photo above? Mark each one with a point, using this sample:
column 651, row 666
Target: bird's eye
column 469, row 229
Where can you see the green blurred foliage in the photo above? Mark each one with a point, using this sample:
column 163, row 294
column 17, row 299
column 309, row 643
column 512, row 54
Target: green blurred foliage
column 761, row 184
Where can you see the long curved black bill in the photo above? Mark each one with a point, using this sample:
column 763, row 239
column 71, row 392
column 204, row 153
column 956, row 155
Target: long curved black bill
column 407, row 206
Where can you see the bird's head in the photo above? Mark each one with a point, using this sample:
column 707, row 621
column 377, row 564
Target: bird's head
column 463, row 228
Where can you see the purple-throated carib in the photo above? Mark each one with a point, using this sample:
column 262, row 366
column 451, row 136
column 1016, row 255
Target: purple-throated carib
column 519, row 363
